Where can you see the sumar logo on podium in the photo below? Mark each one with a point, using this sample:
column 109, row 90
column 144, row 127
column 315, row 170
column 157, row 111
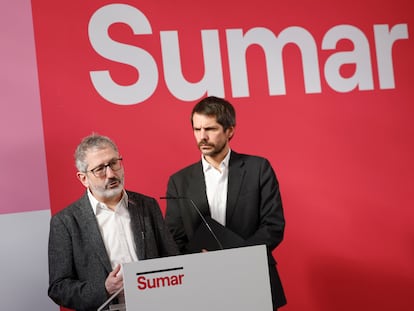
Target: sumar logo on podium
column 146, row 282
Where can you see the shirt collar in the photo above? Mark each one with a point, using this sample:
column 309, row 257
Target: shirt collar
column 207, row 166
column 96, row 205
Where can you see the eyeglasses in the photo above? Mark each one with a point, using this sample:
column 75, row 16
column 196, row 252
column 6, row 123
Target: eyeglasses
column 100, row 171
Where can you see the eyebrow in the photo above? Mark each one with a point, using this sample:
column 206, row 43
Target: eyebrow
column 211, row 127
column 105, row 163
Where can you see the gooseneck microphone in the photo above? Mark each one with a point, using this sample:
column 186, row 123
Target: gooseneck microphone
column 199, row 213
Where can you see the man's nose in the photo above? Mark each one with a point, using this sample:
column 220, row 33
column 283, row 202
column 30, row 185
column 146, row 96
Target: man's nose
column 203, row 134
column 109, row 171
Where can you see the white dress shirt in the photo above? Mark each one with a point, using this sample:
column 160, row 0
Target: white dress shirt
column 216, row 187
column 115, row 228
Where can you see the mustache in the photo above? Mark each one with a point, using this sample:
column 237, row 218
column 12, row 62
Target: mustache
column 111, row 180
column 204, row 143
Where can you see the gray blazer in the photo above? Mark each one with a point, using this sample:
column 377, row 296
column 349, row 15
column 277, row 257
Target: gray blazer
column 254, row 208
column 78, row 262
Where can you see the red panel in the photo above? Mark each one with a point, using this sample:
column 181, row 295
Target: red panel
column 344, row 159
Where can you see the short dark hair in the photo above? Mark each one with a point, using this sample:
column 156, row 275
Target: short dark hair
column 217, row 107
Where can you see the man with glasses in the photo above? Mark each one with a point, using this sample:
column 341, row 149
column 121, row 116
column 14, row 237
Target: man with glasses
column 106, row 227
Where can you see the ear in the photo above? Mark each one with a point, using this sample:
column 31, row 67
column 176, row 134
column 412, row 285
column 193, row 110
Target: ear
column 83, row 178
column 230, row 132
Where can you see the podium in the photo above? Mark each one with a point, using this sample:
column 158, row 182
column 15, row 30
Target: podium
column 222, row 280
column 110, row 305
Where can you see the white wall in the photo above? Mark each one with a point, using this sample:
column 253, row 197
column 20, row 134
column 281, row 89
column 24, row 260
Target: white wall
column 23, row 262
column 25, row 207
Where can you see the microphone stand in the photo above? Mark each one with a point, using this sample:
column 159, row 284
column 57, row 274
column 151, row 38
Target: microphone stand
column 199, row 213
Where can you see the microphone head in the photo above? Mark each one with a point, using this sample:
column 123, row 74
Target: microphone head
column 172, row 198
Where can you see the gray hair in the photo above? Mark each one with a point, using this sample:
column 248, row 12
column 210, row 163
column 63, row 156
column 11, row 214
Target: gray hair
column 93, row 141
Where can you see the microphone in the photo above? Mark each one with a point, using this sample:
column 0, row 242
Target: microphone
column 199, row 213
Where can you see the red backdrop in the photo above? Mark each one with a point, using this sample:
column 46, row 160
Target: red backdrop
column 343, row 153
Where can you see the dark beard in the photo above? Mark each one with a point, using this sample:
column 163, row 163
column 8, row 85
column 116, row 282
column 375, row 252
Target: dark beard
column 216, row 149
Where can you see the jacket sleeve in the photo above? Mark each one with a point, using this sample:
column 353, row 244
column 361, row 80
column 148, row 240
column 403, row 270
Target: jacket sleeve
column 271, row 224
column 173, row 217
column 65, row 286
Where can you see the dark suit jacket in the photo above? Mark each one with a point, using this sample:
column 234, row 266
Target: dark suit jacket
column 78, row 262
column 254, row 207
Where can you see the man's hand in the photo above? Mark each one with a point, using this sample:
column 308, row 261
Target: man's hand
column 114, row 281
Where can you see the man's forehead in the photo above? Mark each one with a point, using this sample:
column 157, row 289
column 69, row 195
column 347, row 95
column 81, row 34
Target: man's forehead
column 101, row 154
column 203, row 120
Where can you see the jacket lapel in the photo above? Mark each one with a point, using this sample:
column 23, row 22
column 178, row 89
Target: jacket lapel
column 136, row 209
column 236, row 178
column 197, row 188
column 89, row 227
